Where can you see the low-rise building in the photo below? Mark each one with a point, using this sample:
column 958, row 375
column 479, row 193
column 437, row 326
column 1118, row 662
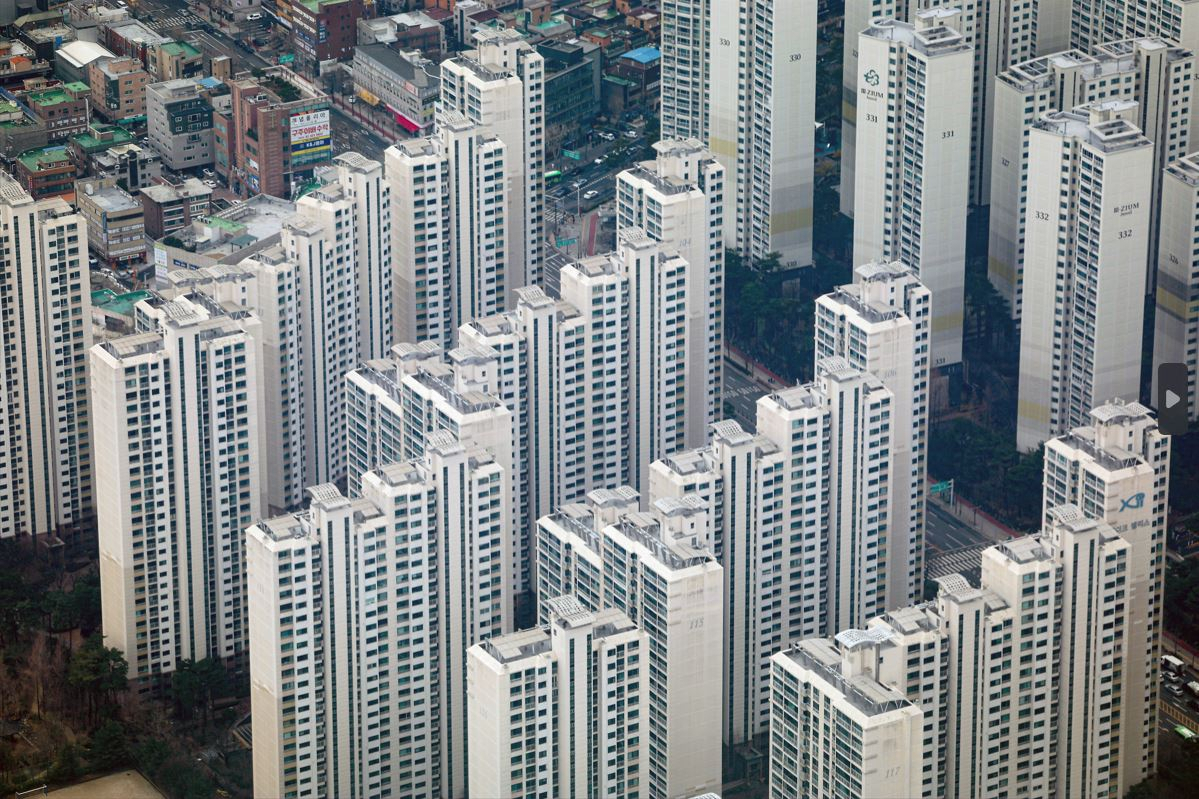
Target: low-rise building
column 179, row 123
column 134, row 39
column 71, row 61
column 19, row 131
column 96, row 139
column 46, row 172
column 130, row 165
column 18, row 63
column 572, row 85
column 63, row 109
column 174, row 60
column 172, row 206
column 119, row 89
column 225, row 238
column 408, row 84
column 412, row 30
column 44, row 32
column 277, row 131
column 324, row 30
column 115, row 226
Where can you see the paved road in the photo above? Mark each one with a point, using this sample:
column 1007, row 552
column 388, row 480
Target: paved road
column 943, row 532
column 742, row 393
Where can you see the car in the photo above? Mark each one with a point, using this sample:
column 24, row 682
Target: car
column 599, row 160
column 1174, row 688
column 605, row 135
column 255, row 16
column 352, row 100
column 630, row 134
column 212, row 184
column 578, row 184
column 1171, row 676
column 208, row 173
column 92, row 260
column 590, row 195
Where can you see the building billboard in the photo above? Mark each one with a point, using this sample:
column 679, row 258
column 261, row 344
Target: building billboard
column 311, row 138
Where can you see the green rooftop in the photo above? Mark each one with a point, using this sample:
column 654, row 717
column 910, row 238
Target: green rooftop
column 11, row 115
column 50, row 97
column 77, row 86
column 101, row 137
column 44, row 158
column 180, row 49
column 117, row 303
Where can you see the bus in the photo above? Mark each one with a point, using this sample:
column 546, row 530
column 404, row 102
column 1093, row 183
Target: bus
column 1184, row 733
column 553, row 177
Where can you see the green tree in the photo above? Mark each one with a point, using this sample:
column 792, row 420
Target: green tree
column 150, row 755
column 66, row 764
column 98, row 673
column 108, row 749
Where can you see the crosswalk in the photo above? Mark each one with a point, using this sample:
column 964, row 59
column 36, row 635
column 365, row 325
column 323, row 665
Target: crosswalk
column 965, row 560
column 183, row 19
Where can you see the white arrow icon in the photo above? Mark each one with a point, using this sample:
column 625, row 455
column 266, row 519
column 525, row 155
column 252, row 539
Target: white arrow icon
column 1172, row 399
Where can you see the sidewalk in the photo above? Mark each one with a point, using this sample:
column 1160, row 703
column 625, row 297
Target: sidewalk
column 755, row 370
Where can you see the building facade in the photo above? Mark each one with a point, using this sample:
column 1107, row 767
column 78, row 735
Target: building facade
column 179, row 453
column 46, row 464
column 179, row 121
column 1087, row 234
column 913, row 163
column 1176, row 321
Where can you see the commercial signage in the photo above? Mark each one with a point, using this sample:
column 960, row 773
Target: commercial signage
column 311, row 138
column 287, row 58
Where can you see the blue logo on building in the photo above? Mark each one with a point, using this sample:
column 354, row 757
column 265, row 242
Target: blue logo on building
column 1137, row 500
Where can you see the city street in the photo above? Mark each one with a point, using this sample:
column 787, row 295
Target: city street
column 742, row 393
column 943, row 532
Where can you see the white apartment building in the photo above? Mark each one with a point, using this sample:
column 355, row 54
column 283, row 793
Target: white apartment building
column 657, row 359
column 913, row 164
column 561, row 710
column 46, row 330
column 1000, row 33
column 453, row 229
column 1094, row 671
column 837, row 733
column 686, row 59
column 362, row 182
column 560, row 371
column 500, row 86
column 761, row 125
column 1099, row 21
column 680, row 200
column 1158, row 76
column 1087, row 237
column 339, row 242
column 739, row 477
column 1176, row 321
column 395, row 404
column 880, row 325
column 361, row 615
column 1117, row 469
column 906, row 650
column 800, row 520
column 179, row 456
column 266, row 284
column 655, row 567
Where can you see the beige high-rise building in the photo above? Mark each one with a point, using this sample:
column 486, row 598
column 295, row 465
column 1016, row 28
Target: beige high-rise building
column 45, row 330
column 1087, row 238
column 560, row 710
column 361, row 614
column 451, row 230
column 913, row 163
column 656, row 567
column 180, row 457
column 1116, row 469
column 1152, row 72
column 1176, row 321
column 880, row 325
column 500, row 86
column 680, row 200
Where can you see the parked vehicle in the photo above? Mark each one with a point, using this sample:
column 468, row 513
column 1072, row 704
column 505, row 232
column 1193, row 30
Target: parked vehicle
column 590, row 195
column 1174, row 689
column 1172, row 664
column 1193, row 687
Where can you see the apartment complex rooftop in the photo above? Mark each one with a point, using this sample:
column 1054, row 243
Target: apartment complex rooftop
column 109, row 199
column 867, row 695
column 44, row 158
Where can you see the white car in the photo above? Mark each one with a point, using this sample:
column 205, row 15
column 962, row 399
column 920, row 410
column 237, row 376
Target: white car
column 1174, row 688
column 630, row 134
column 212, row 184
column 590, row 195
column 254, row 16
